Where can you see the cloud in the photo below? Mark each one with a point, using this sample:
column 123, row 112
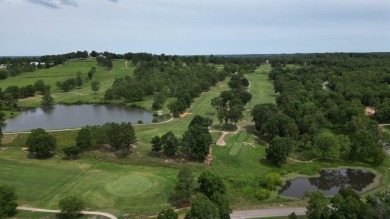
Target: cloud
column 54, row 4
column 45, row 3
column 115, row 1
column 69, row 2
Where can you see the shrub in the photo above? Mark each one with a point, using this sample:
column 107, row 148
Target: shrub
column 271, row 181
column 262, row 194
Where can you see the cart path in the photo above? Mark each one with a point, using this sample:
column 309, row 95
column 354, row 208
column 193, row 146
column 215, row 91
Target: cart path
column 272, row 212
column 108, row 215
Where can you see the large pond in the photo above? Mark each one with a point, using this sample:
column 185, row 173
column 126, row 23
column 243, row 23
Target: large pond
column 74, row 116
column 329, row 182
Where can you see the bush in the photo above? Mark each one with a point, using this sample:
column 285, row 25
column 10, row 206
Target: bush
column 8, row 202
column 140, row 122
column 262, row 194
column 271, row 181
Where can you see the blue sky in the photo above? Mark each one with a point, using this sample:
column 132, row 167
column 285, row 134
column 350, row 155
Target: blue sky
column 189, row 27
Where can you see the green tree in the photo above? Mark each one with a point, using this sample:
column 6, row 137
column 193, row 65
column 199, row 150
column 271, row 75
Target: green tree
column 185, row 186
column 202, row 121
column 317, row 206
column 203, row 208
column 71, row 152
column 95, row 86
column 47, row 100
column 41, row 143
column 223, row 205
column 196, row 142
column 210, row 183
column 120, row 136
column 39, row 85
column 167, row 213
column 71, row 206
column 278, row 150
column 84, row 138
column 156, row 144
column 261, row 113
column 170, row 143
column 327, row 145
column 347, row 204
column 292, row 216
column 8, row 201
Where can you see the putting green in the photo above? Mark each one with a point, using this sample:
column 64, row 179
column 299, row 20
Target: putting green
column 129, row 185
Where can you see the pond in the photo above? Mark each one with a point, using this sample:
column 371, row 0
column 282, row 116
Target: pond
column 74, row 116
column 329, row 182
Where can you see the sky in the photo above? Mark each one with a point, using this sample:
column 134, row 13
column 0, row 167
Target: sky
column 193, row 27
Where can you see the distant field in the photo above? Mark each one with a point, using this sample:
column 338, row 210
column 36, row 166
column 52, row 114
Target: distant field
column 68, row 70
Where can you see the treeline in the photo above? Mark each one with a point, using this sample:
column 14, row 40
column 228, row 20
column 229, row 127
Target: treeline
column 320, row 110
column 16, row 65
column 118, row 137
column 11, row 94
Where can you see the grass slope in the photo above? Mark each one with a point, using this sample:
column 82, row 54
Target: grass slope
column 68, row 70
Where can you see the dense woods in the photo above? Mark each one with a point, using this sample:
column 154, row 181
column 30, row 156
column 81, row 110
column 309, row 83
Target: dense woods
column 321, row 107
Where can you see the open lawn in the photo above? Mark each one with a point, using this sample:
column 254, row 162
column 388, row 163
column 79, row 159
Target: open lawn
column 69, row 70
column 106, row 187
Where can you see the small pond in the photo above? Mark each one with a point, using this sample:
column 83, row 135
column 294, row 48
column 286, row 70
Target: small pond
column 74, row 116
column 329, row 182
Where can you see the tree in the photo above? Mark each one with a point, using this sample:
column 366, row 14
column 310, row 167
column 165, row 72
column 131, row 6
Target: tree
column 347, row 204
column 84, row 139
column 196, row 142
column 292, row 216
column 156, row 144
column 210, row 183
column 327, row 145
column 71, row 152
column 120, row 136
column 202, row 121
column 223, row 205
column 167, row 213
column 203, row 208
column 278, row 150
column 317, row 206
column 71, row 206
column 8, row 201
column 39, row 85
column 95, row 86
column 41, row 143
column 262, row 112
column 79, row 80
column 185, row 186
column 47, row 100
column 1, row 133
column 271, row 181
column 170, row 143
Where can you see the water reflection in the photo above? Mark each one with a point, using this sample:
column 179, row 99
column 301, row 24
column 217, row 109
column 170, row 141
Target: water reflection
column 73, row 116
column 329, row 182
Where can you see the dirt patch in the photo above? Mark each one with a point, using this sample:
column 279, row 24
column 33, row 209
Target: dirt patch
column 221, row 140
column 369, row 111
column 209, row 157
column 25, row 149
column 250, row 144
column 7, row 139
column 184, row 114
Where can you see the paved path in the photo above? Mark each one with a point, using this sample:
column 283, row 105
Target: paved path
column 272, row 212
column 58, row 211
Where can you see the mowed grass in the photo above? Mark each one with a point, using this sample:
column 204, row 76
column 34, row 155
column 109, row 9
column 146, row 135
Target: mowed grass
column 107, row 187
column 69, row 70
